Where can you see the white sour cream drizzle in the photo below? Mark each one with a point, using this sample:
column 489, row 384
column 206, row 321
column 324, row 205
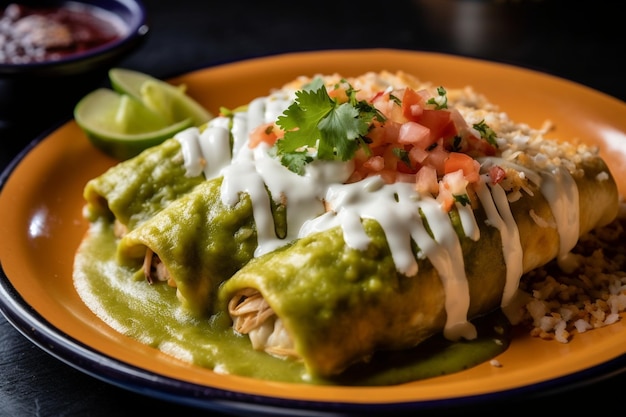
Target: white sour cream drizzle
column 494, row 201
column 559, row 188
column 396, row 207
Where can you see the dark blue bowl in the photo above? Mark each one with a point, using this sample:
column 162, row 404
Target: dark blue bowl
column 132, row 15
column 35, row 95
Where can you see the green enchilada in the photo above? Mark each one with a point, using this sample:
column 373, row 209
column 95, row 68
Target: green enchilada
column 195, row 243
column 136, row 189
column 342, row 217
column 329, row 305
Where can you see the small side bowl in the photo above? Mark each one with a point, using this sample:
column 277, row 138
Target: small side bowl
column 35, row 94
column 130, row 14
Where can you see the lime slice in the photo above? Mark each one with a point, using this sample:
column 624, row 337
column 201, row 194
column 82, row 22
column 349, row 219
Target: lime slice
column 141, row 111
column 171, row 102
column 126, row 81
column 121, row 125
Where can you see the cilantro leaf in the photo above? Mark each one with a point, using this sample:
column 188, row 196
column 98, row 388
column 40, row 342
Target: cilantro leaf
column 295, row 161
column 486, row 132
column 317, row 122
column 339, row 133
column 301, row 118
column 462, row 198
column 440, row 102
column 403, row 156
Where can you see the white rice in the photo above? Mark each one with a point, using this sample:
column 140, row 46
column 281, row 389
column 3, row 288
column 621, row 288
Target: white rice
column 594, row 295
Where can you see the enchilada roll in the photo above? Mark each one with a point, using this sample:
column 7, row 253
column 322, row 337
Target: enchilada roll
column 330, row 305
column 195, row 243
column 136, row 189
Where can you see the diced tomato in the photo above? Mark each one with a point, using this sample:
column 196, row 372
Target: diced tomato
column 356, row 176
column 497, row 174
column 412, row 104
column 458, row 120
column 403, row 168
column 375, row 163
column 268, row 133
column 445, row 197
column 437, row 157
column 415, row 134
column 455, row 182
column 459, row 161
column 480, row 147
column 338, row 94
column 389, row 176
column 392, row 131
column 381, row 134
column 408, row 178
column 384, row 105
column 417, row 155
column 377, row 96
column 439, row 122
column 426, row 180
column 392, row 161
column 407, row 167
column 376, row 135
column 421, row 145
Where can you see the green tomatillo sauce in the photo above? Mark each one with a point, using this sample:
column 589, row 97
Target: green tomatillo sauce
column 153, row 315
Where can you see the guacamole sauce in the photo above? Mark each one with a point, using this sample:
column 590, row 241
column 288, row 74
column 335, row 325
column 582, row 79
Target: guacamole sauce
column 152, row 315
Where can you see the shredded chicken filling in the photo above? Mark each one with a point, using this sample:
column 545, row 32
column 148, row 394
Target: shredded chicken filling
column 154, row 270
column 252, row 315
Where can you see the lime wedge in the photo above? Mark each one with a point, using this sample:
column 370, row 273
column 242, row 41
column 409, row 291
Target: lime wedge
column 170, row 101
column 139, row 112
column 122, row 126
column 126, row 81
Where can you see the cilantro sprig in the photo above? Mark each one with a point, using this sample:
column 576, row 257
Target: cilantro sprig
column 441, row 101
column 316, row 124
column 486, row 132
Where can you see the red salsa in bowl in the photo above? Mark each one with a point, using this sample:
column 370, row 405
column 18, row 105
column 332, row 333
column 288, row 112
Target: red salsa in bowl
column 67, row 37
column 52, row 52
column 39, row 34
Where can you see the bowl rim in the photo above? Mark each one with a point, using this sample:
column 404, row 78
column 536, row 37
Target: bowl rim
column 137, row 26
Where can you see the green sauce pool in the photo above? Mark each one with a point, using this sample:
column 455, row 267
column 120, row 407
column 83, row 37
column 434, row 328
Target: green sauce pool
column 152, row 315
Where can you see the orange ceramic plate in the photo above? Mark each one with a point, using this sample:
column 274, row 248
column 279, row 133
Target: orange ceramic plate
column 41, row 227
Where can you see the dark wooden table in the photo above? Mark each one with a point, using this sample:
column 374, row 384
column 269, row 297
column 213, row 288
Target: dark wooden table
column 579, row 41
